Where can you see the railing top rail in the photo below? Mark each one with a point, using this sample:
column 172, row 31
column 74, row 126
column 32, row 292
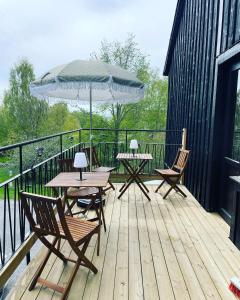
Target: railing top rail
column 10, row 147
column 126, row 129
column 34, row 167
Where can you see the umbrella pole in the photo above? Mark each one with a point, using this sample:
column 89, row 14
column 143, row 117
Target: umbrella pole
column 90, row 127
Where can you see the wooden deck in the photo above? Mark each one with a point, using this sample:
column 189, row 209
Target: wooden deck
column 163, row 249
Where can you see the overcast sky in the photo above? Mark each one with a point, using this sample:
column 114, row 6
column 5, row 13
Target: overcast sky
column 52, row 32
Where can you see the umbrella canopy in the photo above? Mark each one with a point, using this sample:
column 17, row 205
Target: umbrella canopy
column 87, row 81
column 72, row 81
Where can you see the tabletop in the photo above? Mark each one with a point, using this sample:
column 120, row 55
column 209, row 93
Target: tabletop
column 136, row 156
column 71, row 179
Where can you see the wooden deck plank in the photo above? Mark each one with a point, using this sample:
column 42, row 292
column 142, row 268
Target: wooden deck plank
column 135, row 268
column 92, row 287
column 191, row 281
column 150, row 286
column 106, row 290
column 121, row 283
column 206, row 255
column 163, row 249
column 162, row 275
column 178, row 283
column 217, row 232
column 197, row 263
column 213, row 242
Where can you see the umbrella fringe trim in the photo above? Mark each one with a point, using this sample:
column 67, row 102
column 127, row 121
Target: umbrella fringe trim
column 132, row 93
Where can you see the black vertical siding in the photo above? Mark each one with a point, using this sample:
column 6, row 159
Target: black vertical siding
column 231, row 24
column 191, row 82
column 190, row 66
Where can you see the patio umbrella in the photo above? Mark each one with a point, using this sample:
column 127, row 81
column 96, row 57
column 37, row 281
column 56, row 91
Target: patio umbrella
column 88, row 81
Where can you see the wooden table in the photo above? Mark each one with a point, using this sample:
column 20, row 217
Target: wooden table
column 71, row 179
column 125, row 159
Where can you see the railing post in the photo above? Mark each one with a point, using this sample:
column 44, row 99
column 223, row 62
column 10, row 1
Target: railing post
column 184, row 138
column 126, row 140
column 61, row 144
column 184, row 146
column 79, row 137
column 22, row 230
column 20, row 161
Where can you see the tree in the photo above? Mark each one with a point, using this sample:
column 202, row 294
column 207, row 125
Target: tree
column 24, row 112
column 128, row 56
column 4, row 132
column 59, row 119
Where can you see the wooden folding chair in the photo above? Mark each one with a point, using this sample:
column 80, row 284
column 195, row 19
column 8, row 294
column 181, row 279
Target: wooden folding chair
column 97, row 166
column 173, row 175
column 44, row 222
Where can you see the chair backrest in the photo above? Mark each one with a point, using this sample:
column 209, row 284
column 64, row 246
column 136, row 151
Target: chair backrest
column 66, row 165
column 95, row 161
column 47, row 212
column 181, row 160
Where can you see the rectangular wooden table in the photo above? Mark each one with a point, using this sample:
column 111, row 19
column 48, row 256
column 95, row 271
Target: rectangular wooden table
column 71, row 179
column 66, row 180
column 125, row 159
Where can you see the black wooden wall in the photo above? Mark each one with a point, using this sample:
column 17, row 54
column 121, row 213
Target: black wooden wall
column 191, row 86
column 231, row 24
column 190, row 66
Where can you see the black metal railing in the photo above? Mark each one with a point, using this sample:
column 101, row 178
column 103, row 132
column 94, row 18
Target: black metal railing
column 109, row 142
column 30, row 165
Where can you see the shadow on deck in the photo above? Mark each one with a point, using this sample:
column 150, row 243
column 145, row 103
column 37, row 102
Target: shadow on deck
column 163, row 249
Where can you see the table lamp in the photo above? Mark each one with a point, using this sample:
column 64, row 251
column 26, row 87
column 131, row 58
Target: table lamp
column 133, row 146
column 80, row 161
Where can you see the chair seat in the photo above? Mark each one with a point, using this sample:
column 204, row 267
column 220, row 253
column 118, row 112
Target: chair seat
column 82, row 192
column 167, row 172
column 104, row 169
column 78, row 228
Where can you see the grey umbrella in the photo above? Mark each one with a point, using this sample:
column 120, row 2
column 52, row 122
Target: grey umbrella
column 88, row 81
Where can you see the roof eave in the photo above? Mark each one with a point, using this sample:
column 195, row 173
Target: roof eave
column 174, row 33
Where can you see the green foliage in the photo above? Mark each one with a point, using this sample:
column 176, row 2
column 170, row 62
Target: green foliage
column 59, row 119
column 23, row 112
column 150, row 113
column 4, row 132
column 25, row 117
column 128, row 56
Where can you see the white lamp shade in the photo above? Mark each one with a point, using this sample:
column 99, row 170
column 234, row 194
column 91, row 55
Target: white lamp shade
column 133, row 144
column 80, row 160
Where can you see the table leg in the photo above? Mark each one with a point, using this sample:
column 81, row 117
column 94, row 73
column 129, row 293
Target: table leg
column 125, row 188
column 137, row 171
column 134, row 176
column 126, row 166
column 101, row 210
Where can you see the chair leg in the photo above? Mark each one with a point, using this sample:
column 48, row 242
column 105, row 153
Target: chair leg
column 112, row 186
column 87, row 263
column 180, row 191
column 164, row 197
column 98, row 240
column 69, row 207
column 70, row 281
column 161, row 184
column 81, row 256
column 41, row 267
column 98, row 214
column 103, row 217
column 109, row 187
